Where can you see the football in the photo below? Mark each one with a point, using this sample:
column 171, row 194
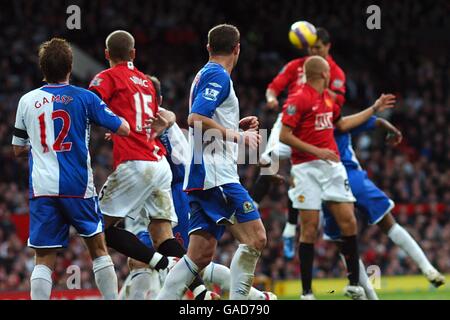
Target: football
column 302, row 34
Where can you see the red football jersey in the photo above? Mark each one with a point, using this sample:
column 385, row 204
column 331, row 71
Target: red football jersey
column 291, row 77
column 312, row 117
column 129, row 94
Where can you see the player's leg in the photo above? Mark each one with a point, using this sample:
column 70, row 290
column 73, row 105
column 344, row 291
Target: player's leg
column 142, row 279
column 309, row 226
column 220, row 275
column 41, row 277
column 332, row 233
column 340, row 201
column 375, row 204
column 404, row 240
column 161, row 209
column 201, row 250
column 103, row 267
column 117, row 204
column 251, row 234
column 48, row 232
column 305, row 195
column 289, row 232
column 85, row 216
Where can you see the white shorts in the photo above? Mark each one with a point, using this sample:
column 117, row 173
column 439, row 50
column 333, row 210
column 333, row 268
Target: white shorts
column 318, row 181
column 139, row 187
column 275, row 149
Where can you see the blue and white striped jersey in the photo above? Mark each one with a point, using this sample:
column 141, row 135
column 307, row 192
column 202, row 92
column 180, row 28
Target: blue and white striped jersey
column 55, row 121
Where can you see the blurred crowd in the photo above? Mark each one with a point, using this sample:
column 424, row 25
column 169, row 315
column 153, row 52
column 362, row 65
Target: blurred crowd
column 408, row 57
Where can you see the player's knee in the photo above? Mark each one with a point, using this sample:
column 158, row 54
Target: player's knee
column 260, row 241
column 203, row 259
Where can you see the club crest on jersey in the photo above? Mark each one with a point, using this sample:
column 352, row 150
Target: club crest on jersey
column 291, row 109
column 301, row 198
column 96, row 82
column 248, row 207
column 338, row 83
column 211, row 94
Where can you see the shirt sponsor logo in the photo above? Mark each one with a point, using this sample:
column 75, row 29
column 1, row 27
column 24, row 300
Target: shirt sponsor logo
column 324, row 121
column 211, row 94
column 140, row 82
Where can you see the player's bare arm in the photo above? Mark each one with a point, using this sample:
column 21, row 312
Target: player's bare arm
column 250, row 137
column 21, row 151
column 272, row 100
column 394, row 136
column 287, row 137
column 384, row 102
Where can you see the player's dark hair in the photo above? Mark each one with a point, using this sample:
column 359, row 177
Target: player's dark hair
column 55, row 60
column 323, row 35
column 119, row 44
column 222, row 39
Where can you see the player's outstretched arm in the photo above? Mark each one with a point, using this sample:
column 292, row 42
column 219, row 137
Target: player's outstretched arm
column 287, row 137
column 199, row 122
column 124, row 129
column 385, row 101
column 394, row 136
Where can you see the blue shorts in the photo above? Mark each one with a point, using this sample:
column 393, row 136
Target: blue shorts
column 51, row 218
column 182, row 209
column 372, row 203
column 213, row 209
column 145, row 238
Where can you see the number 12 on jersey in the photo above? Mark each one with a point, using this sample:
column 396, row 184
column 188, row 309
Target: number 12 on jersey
column 59, row 145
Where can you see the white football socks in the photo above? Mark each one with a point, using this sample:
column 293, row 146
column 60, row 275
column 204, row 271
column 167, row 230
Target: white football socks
column 289, row 230
column 217, row 274
column 105, row 277
column 220, row 275
column 242, row 271
column 41, row 282
column 403, row 239
column 364, row 280
column 178, row 279
column 140, row 284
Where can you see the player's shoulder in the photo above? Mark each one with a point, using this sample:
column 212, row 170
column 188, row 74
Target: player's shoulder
column 31, row 95
column 215, row 75
column 80, row 92
column 296, row 63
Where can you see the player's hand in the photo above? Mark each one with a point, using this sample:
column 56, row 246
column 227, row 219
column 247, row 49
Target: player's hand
column 327, row 155
column 385, row 101
column 156, row 125
column 394, row 138
column 249, row 123
column 251, row 138
column 108, row 136
column 273, row 104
